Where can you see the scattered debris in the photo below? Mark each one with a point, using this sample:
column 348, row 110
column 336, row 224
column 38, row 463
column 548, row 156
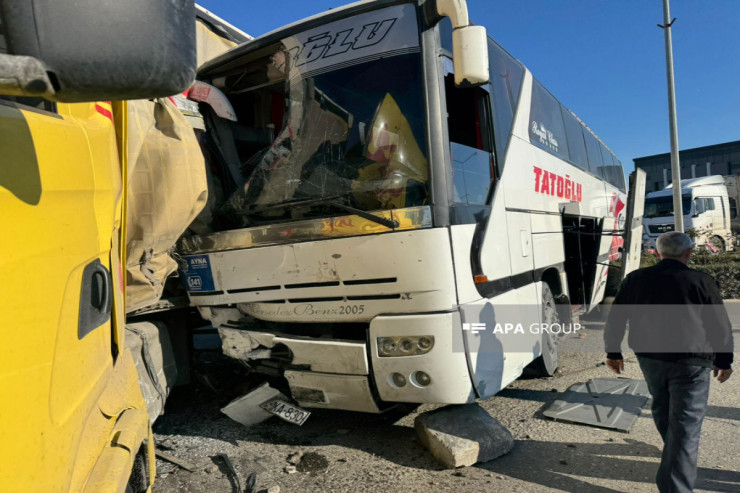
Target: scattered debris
column 604, row 402
column 312, row 462
column 463, row 435
column 273, row 489
column 246, row 409
column 211, row 469
column 174, row 460
column 290, row 469
column 205, row 380
column 294, row 458
column 250, row 485
column 166, row 444
column 232, row 474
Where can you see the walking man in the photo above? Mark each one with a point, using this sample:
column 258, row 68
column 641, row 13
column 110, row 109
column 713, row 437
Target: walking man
column 679, row 330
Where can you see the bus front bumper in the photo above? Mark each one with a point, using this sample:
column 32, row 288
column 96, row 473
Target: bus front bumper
column 352, row 376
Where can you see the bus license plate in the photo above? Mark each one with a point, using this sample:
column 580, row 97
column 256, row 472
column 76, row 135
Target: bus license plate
column 288, row 412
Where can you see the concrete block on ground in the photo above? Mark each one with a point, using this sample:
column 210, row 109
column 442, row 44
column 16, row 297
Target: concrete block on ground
column 463, row 435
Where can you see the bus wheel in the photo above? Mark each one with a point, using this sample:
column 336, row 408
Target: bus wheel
column 546, row 364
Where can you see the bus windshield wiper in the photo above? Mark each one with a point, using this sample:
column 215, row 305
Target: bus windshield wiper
column 334, row 202
column 388, row 223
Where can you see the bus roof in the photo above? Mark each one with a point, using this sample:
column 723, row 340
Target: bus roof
column 293, row 28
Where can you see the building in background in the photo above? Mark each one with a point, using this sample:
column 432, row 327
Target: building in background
column 718, row 159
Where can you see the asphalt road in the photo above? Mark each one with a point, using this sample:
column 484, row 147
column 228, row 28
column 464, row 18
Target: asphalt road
column 353, row 452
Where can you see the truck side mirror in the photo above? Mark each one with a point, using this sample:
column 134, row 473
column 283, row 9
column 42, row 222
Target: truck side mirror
column 92, row 50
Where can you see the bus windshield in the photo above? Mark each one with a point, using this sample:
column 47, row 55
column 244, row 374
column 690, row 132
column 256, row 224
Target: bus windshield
column 663, row 206
column 351, row 137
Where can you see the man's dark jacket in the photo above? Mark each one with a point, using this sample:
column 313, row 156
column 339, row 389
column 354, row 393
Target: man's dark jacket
column 675, row 314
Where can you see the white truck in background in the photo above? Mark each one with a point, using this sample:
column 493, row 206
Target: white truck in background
column 706, row 209
column 732, row 182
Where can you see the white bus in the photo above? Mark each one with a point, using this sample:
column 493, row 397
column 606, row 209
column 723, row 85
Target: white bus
column 385, row 221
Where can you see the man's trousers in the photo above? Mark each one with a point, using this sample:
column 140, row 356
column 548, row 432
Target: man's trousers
column 680, row 393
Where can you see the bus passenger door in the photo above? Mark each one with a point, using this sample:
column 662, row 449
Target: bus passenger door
column 471, row 217
column 478, row 234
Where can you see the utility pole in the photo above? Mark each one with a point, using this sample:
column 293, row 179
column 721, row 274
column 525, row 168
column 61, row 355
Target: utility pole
column 675, row 164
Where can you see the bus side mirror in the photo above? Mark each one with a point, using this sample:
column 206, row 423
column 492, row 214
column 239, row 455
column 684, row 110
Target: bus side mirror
column 470, row 56
column 93, row 50
column 469, row 44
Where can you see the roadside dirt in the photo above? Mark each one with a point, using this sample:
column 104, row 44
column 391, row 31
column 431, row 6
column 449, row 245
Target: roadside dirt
column 353, row 452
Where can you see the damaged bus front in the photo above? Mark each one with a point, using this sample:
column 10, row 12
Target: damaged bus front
column 353, row 172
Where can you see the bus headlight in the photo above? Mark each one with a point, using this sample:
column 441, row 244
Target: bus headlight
column 404, row 345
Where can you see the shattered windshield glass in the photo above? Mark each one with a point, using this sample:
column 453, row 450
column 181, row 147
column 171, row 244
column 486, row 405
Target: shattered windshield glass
column 353, row 136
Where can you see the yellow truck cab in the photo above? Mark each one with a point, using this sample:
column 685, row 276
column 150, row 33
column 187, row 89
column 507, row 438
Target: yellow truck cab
column 72, row 415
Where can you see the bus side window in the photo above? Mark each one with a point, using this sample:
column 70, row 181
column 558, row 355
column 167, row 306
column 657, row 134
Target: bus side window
column 733, row 208
column 546, row 125
column 470, row 142
column 593, row 149
column 576, row 142
column 506, row 84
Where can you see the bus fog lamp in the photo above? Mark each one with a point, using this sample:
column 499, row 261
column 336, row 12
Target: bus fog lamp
column 391, row 346
column 398, row 379
column 421, row 379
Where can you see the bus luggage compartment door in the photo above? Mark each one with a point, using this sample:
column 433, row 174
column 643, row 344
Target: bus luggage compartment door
column 633, row 223
column 582, row 241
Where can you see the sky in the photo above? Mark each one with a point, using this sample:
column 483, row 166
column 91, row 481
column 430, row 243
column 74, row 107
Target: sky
column 603, row 59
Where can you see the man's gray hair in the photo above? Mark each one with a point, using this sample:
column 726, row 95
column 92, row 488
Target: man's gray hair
column 673, row 244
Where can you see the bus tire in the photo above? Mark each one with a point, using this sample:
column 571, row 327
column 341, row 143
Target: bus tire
column 546, row 364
